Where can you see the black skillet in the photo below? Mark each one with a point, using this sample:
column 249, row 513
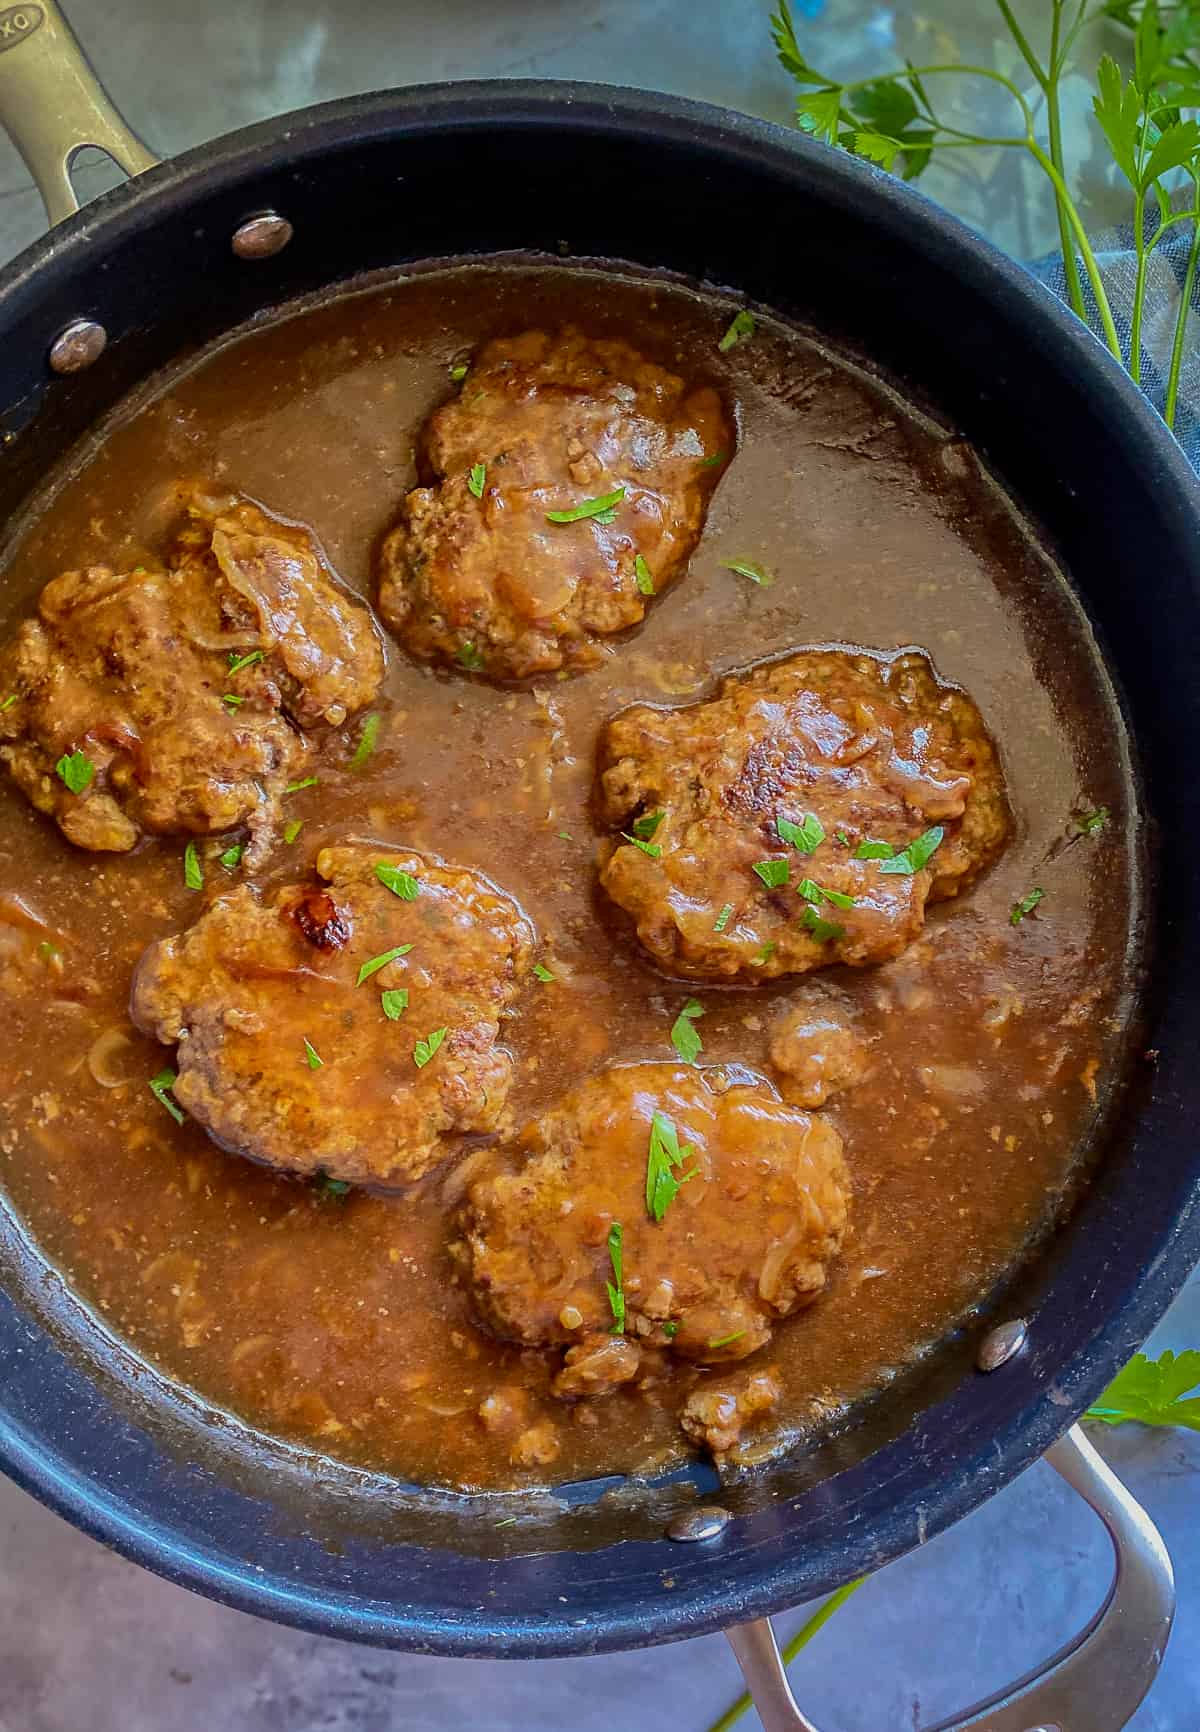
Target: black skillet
column 189, row 249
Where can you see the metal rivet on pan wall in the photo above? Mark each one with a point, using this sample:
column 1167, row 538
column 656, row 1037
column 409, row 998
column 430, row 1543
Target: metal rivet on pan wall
column 1001, row 1344
column 262, row 236
column 78, row 346
column 704, row 1522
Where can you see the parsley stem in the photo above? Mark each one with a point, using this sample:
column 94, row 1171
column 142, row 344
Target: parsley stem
column 801, row 1639
column 1054, row 127
column 1085, row 246
column 1139, row 287
column 1181, row 318
column 1018, row 35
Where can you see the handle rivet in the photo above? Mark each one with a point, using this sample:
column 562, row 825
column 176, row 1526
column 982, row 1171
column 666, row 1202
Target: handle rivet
column 262, row 236
column 1001, row 1344
column 704, row 1522
column 82, row 342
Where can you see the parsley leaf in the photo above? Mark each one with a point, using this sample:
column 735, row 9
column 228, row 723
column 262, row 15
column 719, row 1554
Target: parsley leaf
column 400, row 883
column 459, row 373
column 645, row 826
column 616, row 1291
column 292, row 829
column 193, row 872
column 381, row 961
column 722, row 920
column 76, row 769
column 477, row 479
column 231, row 859
column 1025, row 906
column 470, row 657
column 394, row 1002
column 367, row 740
column 917, row 855
column 312, row 1057
column 765, row 954
column 425, row 1049
column 1088, row 823
column 160, row 1087
column 774, row 873
column 588, row 508
column 816, row 893
column 684, row 1036
column 232, row 701
column 641, row 572
column 330, row 1190
column 8, row 703
column 651, row 848
column 868, row 850
column 747, row 568
column 739, row 328
column 237, row 662
column 806, row 836
column 1153, row 1391
column 712, row 462
column 299, row 787
column 664, row 1155
column 542, row 972
column 824, row 931
column 670, row 1330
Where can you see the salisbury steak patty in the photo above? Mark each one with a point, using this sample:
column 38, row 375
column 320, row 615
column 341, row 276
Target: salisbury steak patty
column 745, row 1240
column 176, row 694
column 346, row 1027
column 802, row 816
column 475, row 573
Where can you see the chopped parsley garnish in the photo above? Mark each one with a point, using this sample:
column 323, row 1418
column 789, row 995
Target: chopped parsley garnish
column 231, row 859
column 747, row 568
column 160, row 1087
column 645, row 826
column 815, row 893
column 477, row 479
column 459, row 373
column 76, row 769
column 394, row 1002
column 589, row 508
column 564, row 835
column 292, row 829
column 330, row 1190
column 765, row 954
column 298, row 787
column 232, row 701
column 48, row 950
column 470, row 657
column 664, row 1156
column 8, row 703
column 822, row 930
column 367, row 740
column 722, row 920
column 381, row 961
column 651, row 848
column 1086, row 823
column 806, row 836
column 917, row 855
column 616, row 1291
column 542, row 972
column 739, row 328
column 774, row 873
column 400, row 883
column 237, row 662
column 641, row 572
column 841, row 836
column 193, row 872
column 670, row 1330
column 425, row 1049
column 685, row 1037
column 868, row 850
column 711, row 462
column 312, row 1057
column 1025, row 906
column 724, row 1340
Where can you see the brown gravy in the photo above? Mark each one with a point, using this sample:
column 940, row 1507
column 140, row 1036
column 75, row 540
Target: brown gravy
column 334, row 1323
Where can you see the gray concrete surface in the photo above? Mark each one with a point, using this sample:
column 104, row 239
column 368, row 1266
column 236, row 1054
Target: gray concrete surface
column 89, row 1643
